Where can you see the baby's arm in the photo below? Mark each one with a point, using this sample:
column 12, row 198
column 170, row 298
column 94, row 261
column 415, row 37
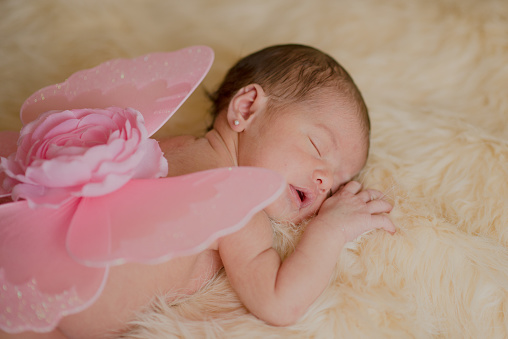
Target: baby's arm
column 280, row 292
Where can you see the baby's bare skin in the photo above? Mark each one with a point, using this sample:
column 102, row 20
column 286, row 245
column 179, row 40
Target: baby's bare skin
column 131, row 287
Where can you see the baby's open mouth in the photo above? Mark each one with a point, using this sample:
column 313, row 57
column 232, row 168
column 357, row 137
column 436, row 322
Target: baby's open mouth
column 301, row 195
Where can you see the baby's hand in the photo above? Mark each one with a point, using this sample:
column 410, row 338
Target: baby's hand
column 355, row 211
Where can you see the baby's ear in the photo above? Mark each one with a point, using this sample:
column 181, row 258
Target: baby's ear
column 247, row 103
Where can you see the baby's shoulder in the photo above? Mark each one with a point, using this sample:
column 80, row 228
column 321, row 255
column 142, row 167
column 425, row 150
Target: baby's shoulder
column 187, row 154
column 184, row 145
column 178, row 142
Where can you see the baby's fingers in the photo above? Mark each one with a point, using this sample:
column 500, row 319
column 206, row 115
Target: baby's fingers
column 370, row 194
column 382, row 221
column 352, row 187
column 379, row 206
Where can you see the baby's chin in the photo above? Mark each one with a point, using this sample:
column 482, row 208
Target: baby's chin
column 281, row 210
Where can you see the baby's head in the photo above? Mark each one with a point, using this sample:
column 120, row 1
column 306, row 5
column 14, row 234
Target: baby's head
column 295, row 110
column 290, row 74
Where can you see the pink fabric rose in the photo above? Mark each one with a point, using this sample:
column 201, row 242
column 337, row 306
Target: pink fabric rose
column 80, row 153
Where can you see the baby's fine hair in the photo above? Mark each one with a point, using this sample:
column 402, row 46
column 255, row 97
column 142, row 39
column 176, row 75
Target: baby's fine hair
column 290, row 74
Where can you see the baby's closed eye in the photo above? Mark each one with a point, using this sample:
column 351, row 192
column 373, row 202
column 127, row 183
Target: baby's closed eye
column 315, row 146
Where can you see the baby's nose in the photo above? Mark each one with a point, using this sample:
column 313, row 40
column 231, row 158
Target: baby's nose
column 323, row 179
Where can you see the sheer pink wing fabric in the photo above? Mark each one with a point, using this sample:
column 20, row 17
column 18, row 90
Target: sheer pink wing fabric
column 151, row 221
column 39, row 281
column 156, row 84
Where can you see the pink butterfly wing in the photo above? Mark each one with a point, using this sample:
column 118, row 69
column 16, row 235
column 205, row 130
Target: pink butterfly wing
column 155, row 84
column 151, row 221
column 39, row 282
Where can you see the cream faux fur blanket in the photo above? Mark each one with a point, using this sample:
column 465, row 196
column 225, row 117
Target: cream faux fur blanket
column 435, row 77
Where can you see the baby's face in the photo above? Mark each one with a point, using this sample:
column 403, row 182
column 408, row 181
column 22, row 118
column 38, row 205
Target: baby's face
column 316, row 148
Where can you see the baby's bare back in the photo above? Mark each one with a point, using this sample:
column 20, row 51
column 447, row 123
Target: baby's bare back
column 131, row 287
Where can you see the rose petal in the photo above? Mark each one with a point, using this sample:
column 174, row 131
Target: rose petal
column 130, row 145
column 95, row 135
column 109, row 184
column 8, row 144
column 67, row 151
column 95, row 156
column 96, row 119
column 63, row 128
column 153, row 165
column 46, row 123
column 40, row 196
column 8, row 184
column 11, row 167
column 59, row 172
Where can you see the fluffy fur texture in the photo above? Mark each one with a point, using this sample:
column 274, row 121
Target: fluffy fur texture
column 434, row 75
